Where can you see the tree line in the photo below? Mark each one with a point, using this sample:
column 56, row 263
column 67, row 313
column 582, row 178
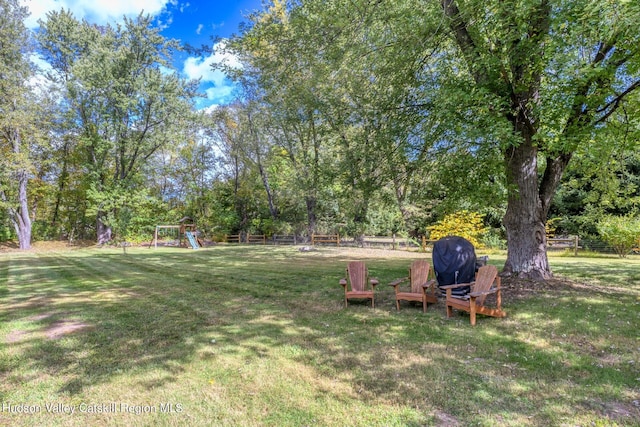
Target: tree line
column 352, row 116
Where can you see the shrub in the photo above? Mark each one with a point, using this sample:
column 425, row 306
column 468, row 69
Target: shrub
column 620, row 232
column 463, row 223
column 493, row 239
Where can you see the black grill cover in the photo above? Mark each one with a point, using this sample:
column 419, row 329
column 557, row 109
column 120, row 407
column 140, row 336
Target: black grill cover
column 454, row 261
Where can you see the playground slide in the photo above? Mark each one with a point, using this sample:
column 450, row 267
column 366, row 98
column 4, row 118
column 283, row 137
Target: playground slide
column 192, row 240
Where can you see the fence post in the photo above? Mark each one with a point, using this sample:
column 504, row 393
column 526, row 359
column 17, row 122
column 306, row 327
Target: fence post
column 575, row 253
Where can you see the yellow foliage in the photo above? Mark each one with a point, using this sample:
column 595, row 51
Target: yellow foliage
column 463, row 223
column 550, row 227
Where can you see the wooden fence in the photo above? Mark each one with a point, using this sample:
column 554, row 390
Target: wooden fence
column 392, row 242
column 333, row 239
column 284, row 239
column 248, row 238
column 571, row 242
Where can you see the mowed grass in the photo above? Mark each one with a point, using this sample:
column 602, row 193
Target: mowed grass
column 259, row 336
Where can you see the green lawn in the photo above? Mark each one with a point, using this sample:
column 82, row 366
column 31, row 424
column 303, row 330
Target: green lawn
column 258, row 336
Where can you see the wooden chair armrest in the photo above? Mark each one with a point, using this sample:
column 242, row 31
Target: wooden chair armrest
column 487, row 292
column 398, row 281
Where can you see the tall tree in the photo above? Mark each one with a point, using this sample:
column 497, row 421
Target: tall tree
column 274, row 59
column 20, row 131
column 555, row 71
column 124, row 102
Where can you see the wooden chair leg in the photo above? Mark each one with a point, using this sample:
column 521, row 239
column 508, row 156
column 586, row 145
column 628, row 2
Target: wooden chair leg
column 449, row 311
column 424, row 305
column 398, row 304
column 472, row 311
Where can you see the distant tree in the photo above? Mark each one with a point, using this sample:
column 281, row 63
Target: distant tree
column 124, row 100
column 622, row 233
column 526, row 83
column 23, row 123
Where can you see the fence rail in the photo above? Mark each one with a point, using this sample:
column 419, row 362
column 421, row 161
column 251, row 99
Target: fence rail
column 571, row 242
column 325, row 239
column 393, row 242
column 282, row 239
column 233, row 238
column 257, row 238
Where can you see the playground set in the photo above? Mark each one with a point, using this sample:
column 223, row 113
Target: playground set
column 186, row 235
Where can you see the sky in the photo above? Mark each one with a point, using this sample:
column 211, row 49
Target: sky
column 191, row 21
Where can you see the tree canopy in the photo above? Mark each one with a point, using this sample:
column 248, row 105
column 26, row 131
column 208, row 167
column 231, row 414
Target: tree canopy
column 351, row 116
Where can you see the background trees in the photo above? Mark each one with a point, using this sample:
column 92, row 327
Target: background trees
column 122, row 101
column 352, row 116
column 530, row 84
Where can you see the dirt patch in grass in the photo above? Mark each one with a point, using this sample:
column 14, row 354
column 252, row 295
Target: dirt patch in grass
column 616, row 411
column 55, row 330
column 515, row 289
column 61, row 328
column 15, row 336
column 8, row 247
column 443, row 419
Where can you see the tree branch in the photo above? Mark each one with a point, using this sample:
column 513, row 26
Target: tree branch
column 613, row 105
column 463, row 38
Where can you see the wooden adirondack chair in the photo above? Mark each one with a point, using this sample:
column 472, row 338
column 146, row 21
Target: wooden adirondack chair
column 358, row 279
column 422, row 289
column 474, row 302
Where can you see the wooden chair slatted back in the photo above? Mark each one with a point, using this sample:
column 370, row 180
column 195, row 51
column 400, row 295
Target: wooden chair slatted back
column 484, row 280
column 357, row 272
column 419, row 274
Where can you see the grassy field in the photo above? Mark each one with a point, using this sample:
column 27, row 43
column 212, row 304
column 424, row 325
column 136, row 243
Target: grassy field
column 259, row 336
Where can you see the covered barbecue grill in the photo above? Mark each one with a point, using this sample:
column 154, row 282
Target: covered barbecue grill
column 454, row 261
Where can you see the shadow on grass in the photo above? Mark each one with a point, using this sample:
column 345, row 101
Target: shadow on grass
column 89, row 317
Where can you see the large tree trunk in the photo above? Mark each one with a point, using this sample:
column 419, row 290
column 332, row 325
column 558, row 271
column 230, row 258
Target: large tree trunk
column 22, row 216
column 525, row 217
column 19, row 216
column 103, row 231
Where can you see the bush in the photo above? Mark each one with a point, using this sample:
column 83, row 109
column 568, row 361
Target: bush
column 620, row 232
column 493, row 239
column 464, row 224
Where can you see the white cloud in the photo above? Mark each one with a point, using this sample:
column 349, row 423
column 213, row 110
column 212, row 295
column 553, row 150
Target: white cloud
column 38, row 82
column 219, row 87
column 210, row 109
column 98, row 11
column 199, row 29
